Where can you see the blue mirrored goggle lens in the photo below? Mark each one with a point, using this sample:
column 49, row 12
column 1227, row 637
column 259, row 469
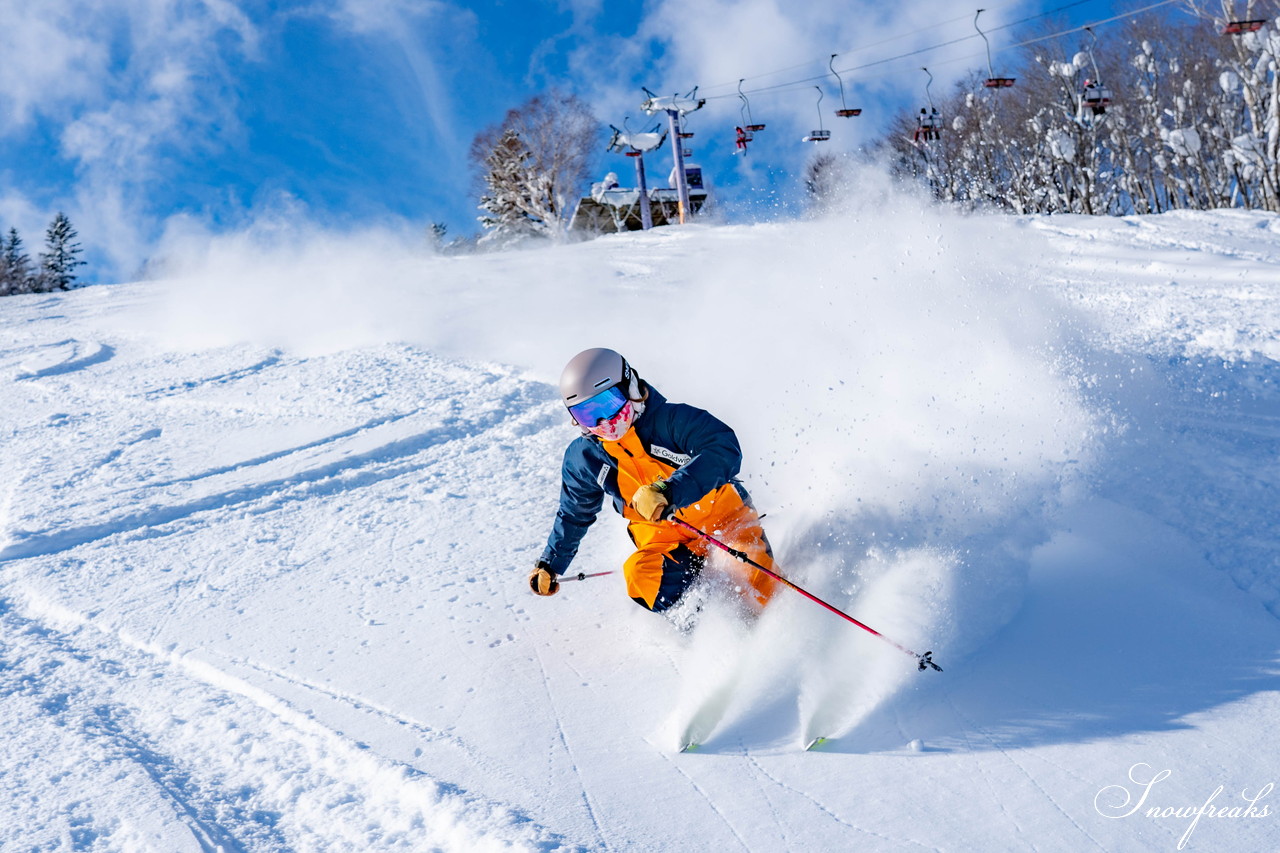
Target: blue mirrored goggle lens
column 602, row 406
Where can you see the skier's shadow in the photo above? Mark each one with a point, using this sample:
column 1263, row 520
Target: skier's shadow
column 1125, row 629
column 1125, row 626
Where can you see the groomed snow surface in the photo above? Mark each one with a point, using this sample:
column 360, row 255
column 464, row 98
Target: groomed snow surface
column 265, row 526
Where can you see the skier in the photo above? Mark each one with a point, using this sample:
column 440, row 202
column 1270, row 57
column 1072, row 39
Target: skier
column 653, row 459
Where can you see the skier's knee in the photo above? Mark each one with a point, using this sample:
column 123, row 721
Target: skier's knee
column 680, row 568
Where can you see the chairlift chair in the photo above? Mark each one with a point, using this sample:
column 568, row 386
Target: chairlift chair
column 929, row 122
column 819, row 135
column 749, row 125
column 744, row 133
column 1237, row 28
column 928, row 126
column 1094, row 96
column 992, row 82
column 844, row 111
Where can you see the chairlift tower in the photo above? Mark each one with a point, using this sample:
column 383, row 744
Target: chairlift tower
column 676, row 107
column 635, row 145
column 646, row 216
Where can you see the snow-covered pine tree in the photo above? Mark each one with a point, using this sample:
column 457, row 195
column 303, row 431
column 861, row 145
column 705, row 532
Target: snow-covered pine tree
column 513, row 210
column 16, row 272
column 58, row 261
column 436, row 234
column 535, row 162
column 824, row 175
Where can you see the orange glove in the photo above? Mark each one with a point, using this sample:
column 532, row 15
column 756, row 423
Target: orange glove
column 650, row 501
column 542, row 581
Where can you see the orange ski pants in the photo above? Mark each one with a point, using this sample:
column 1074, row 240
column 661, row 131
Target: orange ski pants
column 669, row 557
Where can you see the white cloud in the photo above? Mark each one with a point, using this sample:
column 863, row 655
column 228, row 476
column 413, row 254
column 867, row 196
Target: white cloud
column 47, row 61
column 382, row 16
column 17, row 211
column 59, row 56
column 120, row 80
column 419, row 32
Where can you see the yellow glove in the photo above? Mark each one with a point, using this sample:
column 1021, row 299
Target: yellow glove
column 542, row 581
column 651, row 500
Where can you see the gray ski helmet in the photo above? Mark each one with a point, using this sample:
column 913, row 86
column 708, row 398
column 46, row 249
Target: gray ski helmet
column 594, row 370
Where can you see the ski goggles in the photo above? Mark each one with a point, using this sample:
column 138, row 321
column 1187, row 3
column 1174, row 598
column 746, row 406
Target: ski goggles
column 602, row 406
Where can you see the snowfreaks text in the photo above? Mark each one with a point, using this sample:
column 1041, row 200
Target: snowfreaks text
column 1120, row 801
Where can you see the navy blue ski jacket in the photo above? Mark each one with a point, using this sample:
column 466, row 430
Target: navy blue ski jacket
column 702, row 448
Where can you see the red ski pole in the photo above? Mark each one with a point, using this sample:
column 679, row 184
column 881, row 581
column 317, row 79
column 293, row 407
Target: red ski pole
column 581, row 576
column 924, row 660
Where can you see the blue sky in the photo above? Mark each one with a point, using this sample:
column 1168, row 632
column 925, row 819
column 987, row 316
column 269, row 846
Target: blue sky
column 140, row 118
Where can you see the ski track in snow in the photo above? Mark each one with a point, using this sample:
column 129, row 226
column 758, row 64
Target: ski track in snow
column 64, row 357
column 277, row 764
column 563, row 738
column 708, row 800
column 258, row 597
column 994, row 744
column 388, row 458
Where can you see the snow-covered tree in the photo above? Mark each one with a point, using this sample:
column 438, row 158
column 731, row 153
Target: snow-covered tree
column 58, row 261
column 16, row 272
column 436, row 235
column 824, row 175
column 1250, row 80
column 1193, row 122
column 516, row 202
column 534, row 165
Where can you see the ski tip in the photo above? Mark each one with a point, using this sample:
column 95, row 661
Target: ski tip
column 814, row 744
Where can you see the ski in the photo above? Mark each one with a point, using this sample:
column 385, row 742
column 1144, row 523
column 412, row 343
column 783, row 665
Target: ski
column 708, row 714
column 814, row 744
column 717, row 693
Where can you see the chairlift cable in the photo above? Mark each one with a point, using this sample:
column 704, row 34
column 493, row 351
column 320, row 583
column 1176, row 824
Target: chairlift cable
column 1084, row 27
column 810, row 62
column 1036, row 40
column 804, row 82
column 1054, row 11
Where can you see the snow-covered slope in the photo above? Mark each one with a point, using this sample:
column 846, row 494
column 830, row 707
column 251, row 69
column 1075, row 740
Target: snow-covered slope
column 265, row 528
